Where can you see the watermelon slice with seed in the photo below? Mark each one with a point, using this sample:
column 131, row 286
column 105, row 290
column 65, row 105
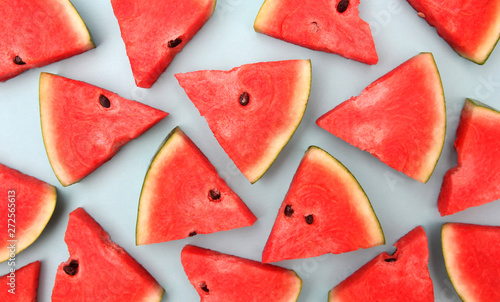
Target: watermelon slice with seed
column 28, row 204
column 36, row 33
column 98, row 269
column 471, row 28
column 333, row 26
column 476, row 179
column 222, row 277
column 402, row 276
column 83, row 126
column 400, row 118
column 21, row 283
column 155, row 31
column 472, row 258
column 324, row 211
column 253, row 110
column 183, row 196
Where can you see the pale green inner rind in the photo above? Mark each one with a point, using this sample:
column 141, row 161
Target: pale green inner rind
column 265, row 15
column 167, row 149
column 299, row 104
column 78, row 24
column 363, row 205
column 439, row 132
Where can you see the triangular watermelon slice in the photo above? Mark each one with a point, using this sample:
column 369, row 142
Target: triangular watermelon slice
column 471, row 28
column 253, row 110
column 39, row 32
column 402, row 276
column 476, row 179
column 98, row 269
column 400, row 118
column 27, row 206
column 83, row 126
column 20, row 285
column 472, row 258
column 222, row 277
column 155, row 31
column 183, row 195
column 332, row 26
column 324, row 211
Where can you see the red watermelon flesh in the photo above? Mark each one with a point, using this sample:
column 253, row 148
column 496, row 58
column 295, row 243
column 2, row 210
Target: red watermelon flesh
column 35, row 33
column 400, row 118
column 83, row 126
column 28, row 204
column 21, row 283
column 155, row 31
column 471, row 28
column 221, row 277
column 472, row 258
column 274, row 95
column 98, row 269
column 402, row 276
column 324, row 211
column 476, row 179
column 326, row 25
column 183, row 195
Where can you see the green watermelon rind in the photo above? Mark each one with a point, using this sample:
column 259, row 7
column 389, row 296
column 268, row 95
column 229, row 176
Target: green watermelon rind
column 348, row 172
column 304, row 100
column 477, row 103
column 84, row 29
column 447, row 262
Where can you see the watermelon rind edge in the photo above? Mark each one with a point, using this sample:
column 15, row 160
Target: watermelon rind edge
column 162, row 145
column 77, row 14
column 443, row 247
column 306, row 97
column 481, row 104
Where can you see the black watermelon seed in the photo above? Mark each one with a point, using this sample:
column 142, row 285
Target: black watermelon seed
column 104, row 101
column 342, row 6
column 244, row 98
column 214, row 194
column 18, row 61
column 204, row 287
column 174, row 43
column 309, row 219
column 288, row 211
column 72, row 268
column 193, row 233
column 390, row 260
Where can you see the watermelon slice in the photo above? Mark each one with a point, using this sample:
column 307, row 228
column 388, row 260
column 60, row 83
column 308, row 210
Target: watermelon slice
column 183, row 196
column 222, row 277
column 324, row 211
column 98, row 269
column 472, row 258
column 20, row 283
column 471, row 28
column 325, row 25
column 83, row 126
column 28, row 204
column 155, row 31
column 476, row 179
column 402, row 276
column 400, row 118
column 253, row 110
column 36, row 33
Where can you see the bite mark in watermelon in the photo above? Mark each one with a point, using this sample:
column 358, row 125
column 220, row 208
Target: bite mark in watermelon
column 402, row 276
column 83, row 126
column 222, row 277
column 253, row 110
column 155, row 31
column 325, row 211
column 25, row 284
column 476, row 179
column 28, row 205
column 332, row 26
column 183, row 195
column 472, row 258
column 98, row 269
column 471, row 28
column 36, row 33
column 400, row 118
